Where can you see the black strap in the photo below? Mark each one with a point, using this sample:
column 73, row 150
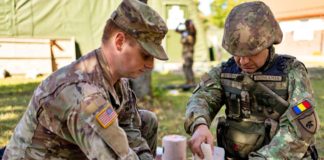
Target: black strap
column 143, row 151
column 113, row 101
column 267, row 137
column 39, row 112
column 313, row 152
column 2, row 150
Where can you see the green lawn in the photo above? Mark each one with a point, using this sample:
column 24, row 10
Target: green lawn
column 14, row 97
column 169, row 105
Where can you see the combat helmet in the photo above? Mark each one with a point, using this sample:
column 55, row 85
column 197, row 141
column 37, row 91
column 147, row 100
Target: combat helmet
column 249, row 28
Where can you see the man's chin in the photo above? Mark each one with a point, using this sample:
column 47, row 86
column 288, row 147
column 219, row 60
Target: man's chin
column 135, row 75
column 248, row 70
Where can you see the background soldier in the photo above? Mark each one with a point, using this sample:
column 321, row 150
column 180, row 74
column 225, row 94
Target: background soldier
column 188, row 40
column 270, row 108
column 86, row 110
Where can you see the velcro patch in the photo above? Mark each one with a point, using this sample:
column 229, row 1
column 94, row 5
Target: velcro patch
column 229, row 75
column 205, row 77
column 267, row 78
column 301, row 107
column 207, row 80
column 106, row 116
column 308, row 122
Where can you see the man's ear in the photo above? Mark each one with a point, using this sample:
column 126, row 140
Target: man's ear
column 120, row 39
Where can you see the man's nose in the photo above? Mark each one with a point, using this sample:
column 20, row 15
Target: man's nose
column 244, row 60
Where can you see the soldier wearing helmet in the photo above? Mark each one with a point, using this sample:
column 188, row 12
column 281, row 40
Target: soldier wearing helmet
column 270, row 108
column 87, row 110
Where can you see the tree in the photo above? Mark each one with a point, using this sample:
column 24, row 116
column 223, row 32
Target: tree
column 220, row 9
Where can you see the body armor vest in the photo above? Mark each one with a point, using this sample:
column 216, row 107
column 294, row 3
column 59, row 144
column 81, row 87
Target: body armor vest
column 248, row 108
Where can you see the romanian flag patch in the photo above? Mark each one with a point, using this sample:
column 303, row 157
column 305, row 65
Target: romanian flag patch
column 106, row 116
column 301, row 107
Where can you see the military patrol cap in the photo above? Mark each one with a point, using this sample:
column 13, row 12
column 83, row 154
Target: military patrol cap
column 250, row 28
column 144, row 24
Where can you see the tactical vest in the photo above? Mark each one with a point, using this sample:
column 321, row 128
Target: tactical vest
column 248, row 108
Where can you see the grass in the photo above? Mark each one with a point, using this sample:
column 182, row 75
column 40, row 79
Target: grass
column 169, row 105
column 15, row 94
column 319, row 96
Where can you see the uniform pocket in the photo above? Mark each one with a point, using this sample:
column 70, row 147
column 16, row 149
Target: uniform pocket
column 241, row 138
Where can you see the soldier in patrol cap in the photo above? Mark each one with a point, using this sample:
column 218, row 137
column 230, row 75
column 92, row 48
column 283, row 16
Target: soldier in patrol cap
column 86, row 110
column 270, row 107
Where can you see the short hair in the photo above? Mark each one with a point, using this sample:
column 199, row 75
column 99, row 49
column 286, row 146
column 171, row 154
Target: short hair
column 110, row 29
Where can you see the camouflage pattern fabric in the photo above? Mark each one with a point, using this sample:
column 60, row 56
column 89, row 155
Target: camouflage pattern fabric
column 249, row 28
column 61, row 119
column 293, row 135
column 149, row 129
column 144, row 24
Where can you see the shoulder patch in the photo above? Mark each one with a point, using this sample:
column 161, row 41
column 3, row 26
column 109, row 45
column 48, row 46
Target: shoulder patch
column 205, row 77
column 206, row 80
column 106, row 116
column 92, row 103
column 308, row 122
column 304, row 119
column 301, row 107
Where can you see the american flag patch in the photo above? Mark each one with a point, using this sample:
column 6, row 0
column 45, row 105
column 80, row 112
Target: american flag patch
column 106, row 116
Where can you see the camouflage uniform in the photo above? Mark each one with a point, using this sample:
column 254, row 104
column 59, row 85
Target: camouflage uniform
column 257, row 125
column 188, row 41
column 78, row 113
column 60, row 119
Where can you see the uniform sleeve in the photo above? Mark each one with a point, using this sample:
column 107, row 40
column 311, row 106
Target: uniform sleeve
column 130, row 122
column 205, row 102
column 136, row 140
column 298, row 124
column 91, row 123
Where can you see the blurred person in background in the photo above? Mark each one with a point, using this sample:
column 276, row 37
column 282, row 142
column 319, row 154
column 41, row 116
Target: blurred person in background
column 188, row 40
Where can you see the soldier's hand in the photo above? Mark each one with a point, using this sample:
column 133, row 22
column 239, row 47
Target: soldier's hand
column 200, row 135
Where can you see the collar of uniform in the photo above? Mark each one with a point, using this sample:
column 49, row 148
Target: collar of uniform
column 270, row 60
column 107, row 77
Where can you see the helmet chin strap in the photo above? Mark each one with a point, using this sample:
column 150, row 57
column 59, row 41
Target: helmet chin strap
column 269, row 59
